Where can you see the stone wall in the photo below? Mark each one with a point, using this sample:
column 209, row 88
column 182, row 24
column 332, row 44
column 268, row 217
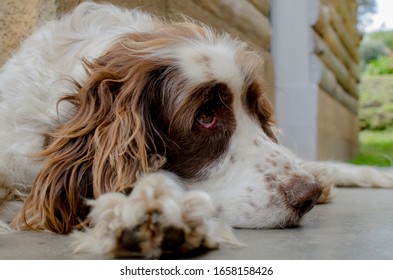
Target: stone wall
column 18, row 18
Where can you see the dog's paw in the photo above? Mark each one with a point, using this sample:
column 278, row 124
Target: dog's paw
column 159, row 217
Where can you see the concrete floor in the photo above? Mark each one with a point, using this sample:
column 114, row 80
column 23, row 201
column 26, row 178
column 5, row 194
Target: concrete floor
column 358, row 224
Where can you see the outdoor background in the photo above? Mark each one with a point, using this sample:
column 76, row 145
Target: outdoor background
column 376, row 86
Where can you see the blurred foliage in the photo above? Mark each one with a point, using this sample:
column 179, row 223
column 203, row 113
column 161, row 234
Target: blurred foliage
column 365, row 8
column 376, row 102
column 376, row 92
column 381, row 66
column 372, row 49
column 376, row 50
column 385, row 36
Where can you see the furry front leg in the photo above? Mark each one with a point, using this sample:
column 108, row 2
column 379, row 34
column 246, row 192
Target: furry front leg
column 158, row 217
column 331, row 174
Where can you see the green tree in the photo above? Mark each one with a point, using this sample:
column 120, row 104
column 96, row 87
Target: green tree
column 385, row 36
column 371, row 49
column 365, row 8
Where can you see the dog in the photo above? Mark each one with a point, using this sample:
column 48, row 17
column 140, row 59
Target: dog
column 145, row 136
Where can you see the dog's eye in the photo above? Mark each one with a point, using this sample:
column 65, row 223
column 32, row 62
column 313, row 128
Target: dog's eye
column 207, row 118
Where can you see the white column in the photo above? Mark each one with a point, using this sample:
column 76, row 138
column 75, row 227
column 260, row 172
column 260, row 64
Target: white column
column 297, row 72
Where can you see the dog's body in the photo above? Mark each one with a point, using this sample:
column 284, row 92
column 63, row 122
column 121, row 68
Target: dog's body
column 162, row 126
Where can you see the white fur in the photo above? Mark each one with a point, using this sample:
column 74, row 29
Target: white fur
column 343, row 174
column 222, row 64
column 159, row 202
column 34, row 79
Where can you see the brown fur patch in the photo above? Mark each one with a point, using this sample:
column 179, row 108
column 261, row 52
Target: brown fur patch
column 194, row 147
column 271, row 162
column 257, row 104
column 259, row 168
column 271, row 180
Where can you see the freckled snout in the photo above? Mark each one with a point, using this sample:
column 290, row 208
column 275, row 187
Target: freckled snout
column 302, row 195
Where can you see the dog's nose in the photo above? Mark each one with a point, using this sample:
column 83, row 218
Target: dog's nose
column 302, row 194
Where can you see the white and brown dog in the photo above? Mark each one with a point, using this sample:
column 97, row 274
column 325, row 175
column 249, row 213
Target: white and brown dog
column 148, row 135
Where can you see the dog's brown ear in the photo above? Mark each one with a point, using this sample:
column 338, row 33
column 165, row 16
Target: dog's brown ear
column 101, row 148
column 260, row 107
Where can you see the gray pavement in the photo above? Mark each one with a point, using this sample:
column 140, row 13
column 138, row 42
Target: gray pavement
column 358, row 224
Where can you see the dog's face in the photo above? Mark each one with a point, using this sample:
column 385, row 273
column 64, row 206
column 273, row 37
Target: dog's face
column 188, row 101
column 215, row 129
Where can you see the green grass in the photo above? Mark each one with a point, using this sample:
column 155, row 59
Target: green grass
column 376, row 148
column 376, row 118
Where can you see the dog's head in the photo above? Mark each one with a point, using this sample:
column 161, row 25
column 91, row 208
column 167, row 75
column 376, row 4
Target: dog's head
column 184, row 99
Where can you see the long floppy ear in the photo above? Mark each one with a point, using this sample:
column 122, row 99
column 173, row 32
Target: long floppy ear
column 260, row 106
column 101, row 148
